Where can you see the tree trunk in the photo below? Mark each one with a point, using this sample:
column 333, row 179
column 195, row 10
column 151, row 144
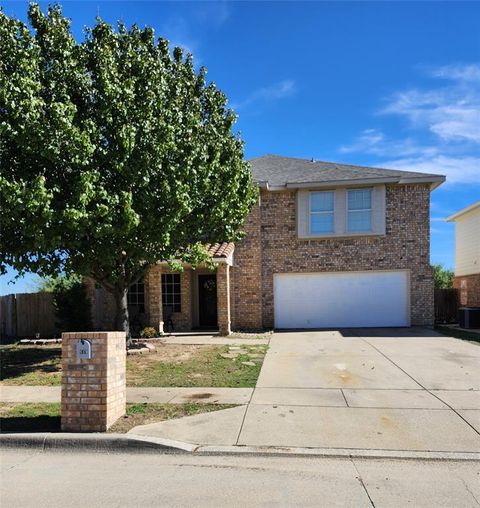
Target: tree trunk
column 122, row 322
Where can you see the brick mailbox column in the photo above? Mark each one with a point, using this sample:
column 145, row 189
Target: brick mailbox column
column 93, row 380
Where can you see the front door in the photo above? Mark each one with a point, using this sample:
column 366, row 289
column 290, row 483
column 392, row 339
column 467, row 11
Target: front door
column 207, row 300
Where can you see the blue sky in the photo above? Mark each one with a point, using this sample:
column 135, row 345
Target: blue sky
column 389, row 84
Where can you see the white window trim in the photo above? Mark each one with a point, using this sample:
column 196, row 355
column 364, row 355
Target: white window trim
column 366, row 231
column 323, row 212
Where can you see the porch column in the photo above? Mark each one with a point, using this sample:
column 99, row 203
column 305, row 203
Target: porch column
column 154, row 298
column 223, row 298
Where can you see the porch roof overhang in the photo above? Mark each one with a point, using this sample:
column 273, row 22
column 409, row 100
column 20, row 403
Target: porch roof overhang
column 218, row 252
column 221, row 252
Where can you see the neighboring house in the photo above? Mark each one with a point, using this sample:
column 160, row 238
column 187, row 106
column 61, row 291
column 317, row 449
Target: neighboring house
column 327, row 246
column 467, row 254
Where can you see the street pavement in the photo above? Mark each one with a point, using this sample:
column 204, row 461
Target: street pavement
column 38, row 479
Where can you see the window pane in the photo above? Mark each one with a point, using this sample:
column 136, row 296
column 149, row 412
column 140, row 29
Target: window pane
column 321, row 202
column 360, row 199
column 321, row 223
column 359, row 221
column 171, row 291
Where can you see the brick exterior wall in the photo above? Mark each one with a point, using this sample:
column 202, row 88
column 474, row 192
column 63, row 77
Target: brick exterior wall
column 404, row 246
column 246, row 276
column 93, row 390
column 271, row 246
column 469, row 289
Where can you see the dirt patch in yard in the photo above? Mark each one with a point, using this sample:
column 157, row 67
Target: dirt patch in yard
column 144, row 414
column 45, row 417
column 196, row 365
column 169, row 365
column 173, row 353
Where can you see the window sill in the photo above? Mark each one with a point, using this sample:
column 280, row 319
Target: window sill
column 339, row 236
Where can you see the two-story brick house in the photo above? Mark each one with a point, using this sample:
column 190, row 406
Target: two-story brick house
column 327, row 246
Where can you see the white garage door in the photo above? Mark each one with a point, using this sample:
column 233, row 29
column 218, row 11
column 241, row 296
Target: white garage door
column 341, row 300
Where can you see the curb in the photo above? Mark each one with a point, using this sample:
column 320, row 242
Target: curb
column 132, row 443
column 93, row 442
column 352, row 453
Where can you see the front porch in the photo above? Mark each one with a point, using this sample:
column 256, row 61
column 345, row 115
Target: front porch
column 194, row 299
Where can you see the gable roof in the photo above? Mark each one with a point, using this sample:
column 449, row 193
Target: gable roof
column 463, row 211
column 274, row 172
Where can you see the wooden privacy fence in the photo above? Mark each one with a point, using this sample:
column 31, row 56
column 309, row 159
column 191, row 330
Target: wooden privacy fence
column 446, row 305
column 25, row 314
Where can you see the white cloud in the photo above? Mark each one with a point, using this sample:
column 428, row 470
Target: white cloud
column 452, row 113
column 186, row 28
column 213, row 13
column 457, row 72
column 373, row 141
column 447, row 116
column 457, row 169
column 273, row 92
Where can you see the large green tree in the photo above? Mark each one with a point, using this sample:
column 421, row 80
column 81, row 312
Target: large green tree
column 115, row 153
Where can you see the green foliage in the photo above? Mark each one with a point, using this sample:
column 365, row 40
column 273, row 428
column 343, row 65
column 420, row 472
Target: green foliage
column 443, row 277
column 72, row 306
column 115, row 153
column 149, row 333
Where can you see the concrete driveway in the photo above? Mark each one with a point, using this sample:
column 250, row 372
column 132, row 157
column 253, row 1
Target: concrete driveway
column 381, row 389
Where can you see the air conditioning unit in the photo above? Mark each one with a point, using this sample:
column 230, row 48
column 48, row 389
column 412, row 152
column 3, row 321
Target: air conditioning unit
column 469, row 317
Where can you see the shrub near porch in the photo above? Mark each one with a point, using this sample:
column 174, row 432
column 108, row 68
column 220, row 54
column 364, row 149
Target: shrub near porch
column 169, row 365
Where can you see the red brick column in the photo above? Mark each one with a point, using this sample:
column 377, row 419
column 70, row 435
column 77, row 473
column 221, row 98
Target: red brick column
column 223, row 298
column 93, row 389
column 153, row 290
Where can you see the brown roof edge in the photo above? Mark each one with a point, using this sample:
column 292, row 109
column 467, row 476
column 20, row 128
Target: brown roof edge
column 220, row 250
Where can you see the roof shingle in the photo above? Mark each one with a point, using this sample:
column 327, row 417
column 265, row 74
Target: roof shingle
column 275, row 171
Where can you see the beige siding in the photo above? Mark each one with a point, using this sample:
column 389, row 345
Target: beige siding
column 340, row 213
column 467, row 245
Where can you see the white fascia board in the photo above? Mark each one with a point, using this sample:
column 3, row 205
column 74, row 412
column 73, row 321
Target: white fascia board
column 228, row 260
column 463, row 211
column 435, row 180
column 340, row 183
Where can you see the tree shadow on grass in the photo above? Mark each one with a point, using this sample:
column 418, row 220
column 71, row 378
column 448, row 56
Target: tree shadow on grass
column 22, row 360
column 30, row 424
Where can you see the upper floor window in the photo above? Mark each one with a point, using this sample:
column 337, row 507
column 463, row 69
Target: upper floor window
column 171, row 292
column 359, row 210
column 321, row 212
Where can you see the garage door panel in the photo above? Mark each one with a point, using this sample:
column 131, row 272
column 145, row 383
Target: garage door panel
column 334, row 300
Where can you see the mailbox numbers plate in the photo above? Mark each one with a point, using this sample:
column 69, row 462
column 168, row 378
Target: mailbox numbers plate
column 84, row 349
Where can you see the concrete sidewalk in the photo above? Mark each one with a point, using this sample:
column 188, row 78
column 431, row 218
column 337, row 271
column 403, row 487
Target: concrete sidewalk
column 161, row 395
column 392, row 390
column 214, row 340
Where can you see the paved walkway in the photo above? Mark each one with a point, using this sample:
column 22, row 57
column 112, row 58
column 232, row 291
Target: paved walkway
column 214, row 340
column 401, row 389
column 161, row 395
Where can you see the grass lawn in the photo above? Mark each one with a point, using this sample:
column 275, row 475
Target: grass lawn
column 29, row 417
column 458, row 334
column 210, row 366
column 169, row 365
column 30, row 365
